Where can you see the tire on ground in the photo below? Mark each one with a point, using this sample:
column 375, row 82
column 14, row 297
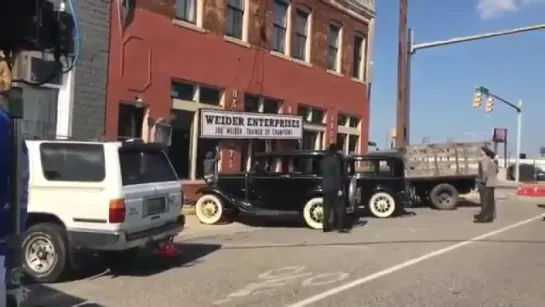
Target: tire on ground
column 382, row 205
column 313, row 213
column 206, row 202
column 444, row 197
column 48, row 233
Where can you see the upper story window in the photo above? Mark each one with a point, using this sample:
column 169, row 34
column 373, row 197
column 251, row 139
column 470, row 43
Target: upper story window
column 280, row 25
column 358, row 61
column 300, row 44
column 235, row 18
column 311, row 115
column 333, row 43
column 186, row 10
column 253, row 103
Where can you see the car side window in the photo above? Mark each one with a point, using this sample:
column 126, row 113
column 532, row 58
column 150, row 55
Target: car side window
column 73, row 162
column 306, row 165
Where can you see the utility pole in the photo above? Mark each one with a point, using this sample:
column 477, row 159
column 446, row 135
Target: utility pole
column 407, row 49
column 403, row 74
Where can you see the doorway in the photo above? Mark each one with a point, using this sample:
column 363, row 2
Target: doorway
column 179, row 151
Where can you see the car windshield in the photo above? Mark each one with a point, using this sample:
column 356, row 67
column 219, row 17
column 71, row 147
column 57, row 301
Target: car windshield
column 138, row 167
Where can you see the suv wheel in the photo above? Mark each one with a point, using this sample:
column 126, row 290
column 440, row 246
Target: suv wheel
column 209, row 209
column 382, row 205
column 44, row 252
column 313, row 213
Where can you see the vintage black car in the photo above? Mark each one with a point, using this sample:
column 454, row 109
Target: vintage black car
column 381, row 180
column 277, row 184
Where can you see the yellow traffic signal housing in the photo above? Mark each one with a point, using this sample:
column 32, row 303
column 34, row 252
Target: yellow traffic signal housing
column 489, row 105
column 477, row 99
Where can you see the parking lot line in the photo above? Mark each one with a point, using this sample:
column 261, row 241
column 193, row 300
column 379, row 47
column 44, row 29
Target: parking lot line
column 365, row 279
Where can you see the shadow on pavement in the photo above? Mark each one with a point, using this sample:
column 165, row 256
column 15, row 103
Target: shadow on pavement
column 39, row 295
column 276, row 221
column 464, row 202
column 146, row 263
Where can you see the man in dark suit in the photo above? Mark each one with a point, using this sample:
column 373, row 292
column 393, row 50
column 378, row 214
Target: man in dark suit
column 331, row 167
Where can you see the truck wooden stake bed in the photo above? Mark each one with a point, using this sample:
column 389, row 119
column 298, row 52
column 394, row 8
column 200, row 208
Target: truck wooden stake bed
column 439, row 173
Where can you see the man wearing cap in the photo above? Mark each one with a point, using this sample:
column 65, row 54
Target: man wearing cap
column 487, row 182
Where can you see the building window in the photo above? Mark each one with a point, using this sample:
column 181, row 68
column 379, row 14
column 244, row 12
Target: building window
column 299, row 49
column 210, row 95
column 354, row 122
column 311, row 115
column 280, row 25
column 348, row 133
column 358, row 61
column 129, row 121
column 333, row 37
column 271, row 106
column 342, row 120
column 235, row 18
column 251, row 103
column 186, row 10
column 183, row 91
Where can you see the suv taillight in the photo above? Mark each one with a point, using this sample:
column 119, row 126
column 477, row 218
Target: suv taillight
column 116, row 211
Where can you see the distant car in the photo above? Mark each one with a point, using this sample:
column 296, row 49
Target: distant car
column 528, row 172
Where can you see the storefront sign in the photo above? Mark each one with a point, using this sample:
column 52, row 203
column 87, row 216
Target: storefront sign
column 216, row 124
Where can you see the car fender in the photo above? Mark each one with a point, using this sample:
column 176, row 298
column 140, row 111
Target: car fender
column 214, row 191
column 381, row 188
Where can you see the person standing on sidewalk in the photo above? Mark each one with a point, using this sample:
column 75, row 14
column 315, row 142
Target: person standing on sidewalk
column 210, row 166
column 333, row 206
column 487, row 182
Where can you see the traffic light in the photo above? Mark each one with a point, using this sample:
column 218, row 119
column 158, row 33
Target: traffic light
column 477, row 99
column 489, row 104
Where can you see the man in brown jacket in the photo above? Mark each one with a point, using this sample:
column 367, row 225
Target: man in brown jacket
column 487, row 182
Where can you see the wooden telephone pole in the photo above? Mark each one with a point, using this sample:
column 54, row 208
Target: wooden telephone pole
column 403, row 103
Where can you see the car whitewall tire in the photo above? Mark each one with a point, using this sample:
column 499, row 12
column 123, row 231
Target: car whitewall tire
column 382, row 205
column 313, row 213
column 209, row 209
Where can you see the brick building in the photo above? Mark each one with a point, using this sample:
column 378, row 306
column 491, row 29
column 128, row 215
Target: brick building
column 276, row 58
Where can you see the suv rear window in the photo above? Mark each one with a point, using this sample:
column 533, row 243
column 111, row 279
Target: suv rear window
column 138, row 167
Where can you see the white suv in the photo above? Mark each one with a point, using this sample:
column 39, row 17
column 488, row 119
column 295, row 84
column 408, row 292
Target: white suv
column 110, row 197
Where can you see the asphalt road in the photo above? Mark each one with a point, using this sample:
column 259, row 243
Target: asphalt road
column 431, row 259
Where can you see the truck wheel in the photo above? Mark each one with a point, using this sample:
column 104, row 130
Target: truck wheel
column 444, row 197
column 44, row 252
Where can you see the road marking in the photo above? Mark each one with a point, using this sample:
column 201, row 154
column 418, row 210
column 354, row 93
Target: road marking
column 268, row 282
column 363, row 280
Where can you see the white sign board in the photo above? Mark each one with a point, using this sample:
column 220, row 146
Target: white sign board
column 218, row 124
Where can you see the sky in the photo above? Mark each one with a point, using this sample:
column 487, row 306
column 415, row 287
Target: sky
column 444, row 78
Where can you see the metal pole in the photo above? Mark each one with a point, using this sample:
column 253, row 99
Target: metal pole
column 519, row 134
column 13, row 257
column 477, row 37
